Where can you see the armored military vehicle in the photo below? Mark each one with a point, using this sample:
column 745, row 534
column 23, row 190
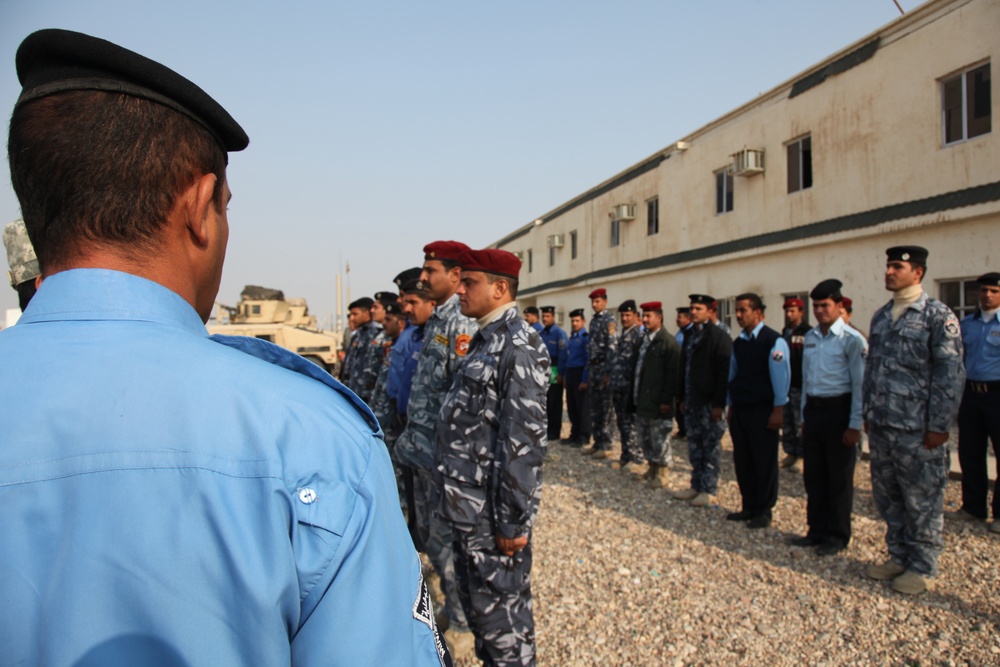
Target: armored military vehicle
column 266, row 313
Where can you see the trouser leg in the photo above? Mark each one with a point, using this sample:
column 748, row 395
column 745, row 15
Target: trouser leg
column 631, row 451
column 972, row 437
column 757, row 462
column 791, row 424
column 600, row 414
column 437, row 539
column 554, row 411
column 704, row 448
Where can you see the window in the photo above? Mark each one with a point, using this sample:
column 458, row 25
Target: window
column 552, row 255
column 530, row 261
column 800, row 164
column 965, row 104
column 961, row 295
column 653, row 216
column 723, row 191
column 572, row 245
column 727, row 314
column 255, row 309
column 616, row 233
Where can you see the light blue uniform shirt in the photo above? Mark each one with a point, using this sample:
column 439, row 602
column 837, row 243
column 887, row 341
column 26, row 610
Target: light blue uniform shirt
column 778, row 365
column 397, row 360
column 170, row 500
column 834, row 365
column 982, row 347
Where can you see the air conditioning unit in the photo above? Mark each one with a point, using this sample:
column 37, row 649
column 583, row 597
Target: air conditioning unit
column 557, row 240
column 748, row 162
column 623, row 212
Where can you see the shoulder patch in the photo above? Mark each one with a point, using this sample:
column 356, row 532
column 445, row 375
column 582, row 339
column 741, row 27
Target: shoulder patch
column 462, row 344
column 777, row 355
column 951, row 327
column 423, row 611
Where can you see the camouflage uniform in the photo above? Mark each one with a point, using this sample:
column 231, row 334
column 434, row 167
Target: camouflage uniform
column 491, row 440
column 912, row 385
column 20, row 254
column 446, row 341
column 655, row 383
column 600, row 361
column 622, row 375
column 373, row 359
column 704, row 434
column 354, row 362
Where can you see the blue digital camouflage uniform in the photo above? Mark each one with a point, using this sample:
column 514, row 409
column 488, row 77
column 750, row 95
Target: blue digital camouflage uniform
column 491, row 441
column 704, row 434
column 358, row 379
column 600, row 360
column 622, row 376
column 447, row 335
column 557, row 343
column 912, row 385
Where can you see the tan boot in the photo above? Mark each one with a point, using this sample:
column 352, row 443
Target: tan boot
column 911, row 583
column 788, row 461
column 461, row 644
column 686, row 494
column 701, row 500
column 661, row 479
column 635, row 468
column 617, row 465
column 886, row 571
column 602, row 454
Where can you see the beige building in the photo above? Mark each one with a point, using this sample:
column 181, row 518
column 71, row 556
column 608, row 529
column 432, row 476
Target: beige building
column 888, row 141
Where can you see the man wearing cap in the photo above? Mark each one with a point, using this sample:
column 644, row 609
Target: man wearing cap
column 531, row 317
column 912, row 387
column 684, row 328
column 847, row 312
column 557, row 343
column 490, row 447
column 622, row 379
column 979, row 414
column 794, row 334
column 447, row 335
column 25, row 276
column 151, row 513
column 382, row 404
column 405, row 347
column 701, row 392
column 833, row 366
column 758, row 390
column 576, row 380
column 375, row 355
column 653, row 389
column 600, row 359
column 363, row 333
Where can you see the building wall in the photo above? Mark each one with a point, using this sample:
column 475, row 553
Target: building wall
column 881, row 176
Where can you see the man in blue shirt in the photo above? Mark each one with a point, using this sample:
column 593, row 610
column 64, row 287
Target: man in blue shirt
column 979, row 413
column 557, row 343
column 576, row 381
column 759, row 377
column 833, row 366
column 169, row 497
column 531, row 317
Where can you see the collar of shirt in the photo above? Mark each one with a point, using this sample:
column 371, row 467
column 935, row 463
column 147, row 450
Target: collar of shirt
column 495, row 315
column 753, row 334
column 447, row 307
column 103, row 294
column 836, row 329
column 988, row 315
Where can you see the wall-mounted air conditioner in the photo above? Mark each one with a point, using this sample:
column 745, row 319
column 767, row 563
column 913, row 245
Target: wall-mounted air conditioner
column 556, row 240
column 623, row 212
column 748, row 162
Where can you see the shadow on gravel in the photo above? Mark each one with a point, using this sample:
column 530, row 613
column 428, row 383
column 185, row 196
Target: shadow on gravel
column 608, row 489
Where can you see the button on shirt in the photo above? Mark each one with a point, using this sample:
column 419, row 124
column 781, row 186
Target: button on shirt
column 778, row 365
column 982, row 347
column 834, row 365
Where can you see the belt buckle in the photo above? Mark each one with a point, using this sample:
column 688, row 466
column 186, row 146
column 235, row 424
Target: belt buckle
column 979, row 387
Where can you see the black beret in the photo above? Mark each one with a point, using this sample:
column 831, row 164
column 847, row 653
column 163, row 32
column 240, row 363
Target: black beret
column 628, row 306
column 386, row 297
column 549, row 309
column 408, row 280
column 393, row 308
column 531, row 310
column 684, row 310
column 703, row 299
column 828, row 289
column 913, row 254
column 56, row 61
column 364, row 302
column 991, row 279
column 576, row 313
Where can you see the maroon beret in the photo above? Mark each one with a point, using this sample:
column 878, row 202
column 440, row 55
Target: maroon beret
column 652, row 305
column 491, row 260
column 444, row 250
column 794, row 303
column 600, row 292
column 847, row 302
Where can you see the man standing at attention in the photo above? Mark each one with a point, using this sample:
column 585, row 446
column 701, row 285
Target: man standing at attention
column 684, row 328
column 622, row 379
column 979, row 414
column 153, row 514
column 600, row 359
column 447, row 335
column 576, row 380
column 758, row 391
column 363, row 334
column 913, row 383
column 794, row 334
column 557, row 344
column 490, row 447
column 531, row 317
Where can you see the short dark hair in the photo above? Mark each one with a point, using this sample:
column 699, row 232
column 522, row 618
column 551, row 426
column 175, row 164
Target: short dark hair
column 104, row 168
column 511, row 282
column 754, row 299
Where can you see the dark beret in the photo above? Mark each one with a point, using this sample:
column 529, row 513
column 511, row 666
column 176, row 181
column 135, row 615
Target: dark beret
column 913, row 254
column 386, row 297
column 393, row 308
column 406, row 279
column 599, row 293
column 444, row 250
column 684, row 310
column 57, row 61
column 989, row 279
column 794, row 302
column 703, row 299
column 549, row 309
column 827, row 289
column 364, row 302
column 628, row 306
column 531, row 310
column 491, row 260
column 576, row 313
column 653, row 305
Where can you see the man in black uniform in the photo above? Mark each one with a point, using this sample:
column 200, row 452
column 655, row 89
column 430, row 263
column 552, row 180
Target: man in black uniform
column 684, row 328
column 794, row 334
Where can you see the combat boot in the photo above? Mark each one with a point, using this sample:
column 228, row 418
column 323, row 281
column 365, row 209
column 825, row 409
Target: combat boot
column 635, row 468
column 661, row 479
column 701, row 500
column 686, row 494
column 618, row 465
column 461, row 643
column 649, row 474
column 886, row 571
column 911, row 583
column 788, row 461
column 602, row 454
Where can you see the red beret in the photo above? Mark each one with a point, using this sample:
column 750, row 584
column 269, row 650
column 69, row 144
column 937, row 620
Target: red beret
column 600, row 292
column 789, row 303
column 444, row 250
column 652, row 305
column 491, row 260
column 846, row 302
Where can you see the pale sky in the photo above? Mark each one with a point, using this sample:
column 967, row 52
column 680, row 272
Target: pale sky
column 377, row 126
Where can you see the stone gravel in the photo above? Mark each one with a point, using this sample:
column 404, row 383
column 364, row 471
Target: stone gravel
column 624, row 575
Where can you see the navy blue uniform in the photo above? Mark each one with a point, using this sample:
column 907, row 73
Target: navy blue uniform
column 557, row 343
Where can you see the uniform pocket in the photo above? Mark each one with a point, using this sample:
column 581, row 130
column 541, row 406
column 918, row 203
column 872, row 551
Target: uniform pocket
column 506, row 574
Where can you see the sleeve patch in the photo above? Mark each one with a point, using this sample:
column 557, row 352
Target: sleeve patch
column 951, row 327
column 462, row 344
column 777, row 355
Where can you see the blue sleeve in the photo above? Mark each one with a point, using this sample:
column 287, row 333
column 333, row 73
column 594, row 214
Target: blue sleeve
column 563, row 358
column 856, row 348
column 732, row 374
column 780, row 368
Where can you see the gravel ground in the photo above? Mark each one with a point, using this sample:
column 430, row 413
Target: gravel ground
column 624, row 575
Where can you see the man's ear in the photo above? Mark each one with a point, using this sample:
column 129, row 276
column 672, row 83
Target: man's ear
column 200, row 205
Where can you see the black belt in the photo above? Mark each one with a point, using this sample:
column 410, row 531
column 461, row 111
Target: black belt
column 828, row 401
column 982, row 387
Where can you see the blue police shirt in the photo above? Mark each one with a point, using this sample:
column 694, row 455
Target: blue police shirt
column 397, row 360
column 577, row 351
column 168, row 499
column 557, row 343
column 778, row 365
column 411, row 355
column 834, row 365
column 982, row 347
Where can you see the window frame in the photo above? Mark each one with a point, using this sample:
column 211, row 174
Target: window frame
column 572, row 244
column 963, row 76
column 725, row 196
column 616, row 233
column 802, row 164
column 963, row 308
column 653, row 216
